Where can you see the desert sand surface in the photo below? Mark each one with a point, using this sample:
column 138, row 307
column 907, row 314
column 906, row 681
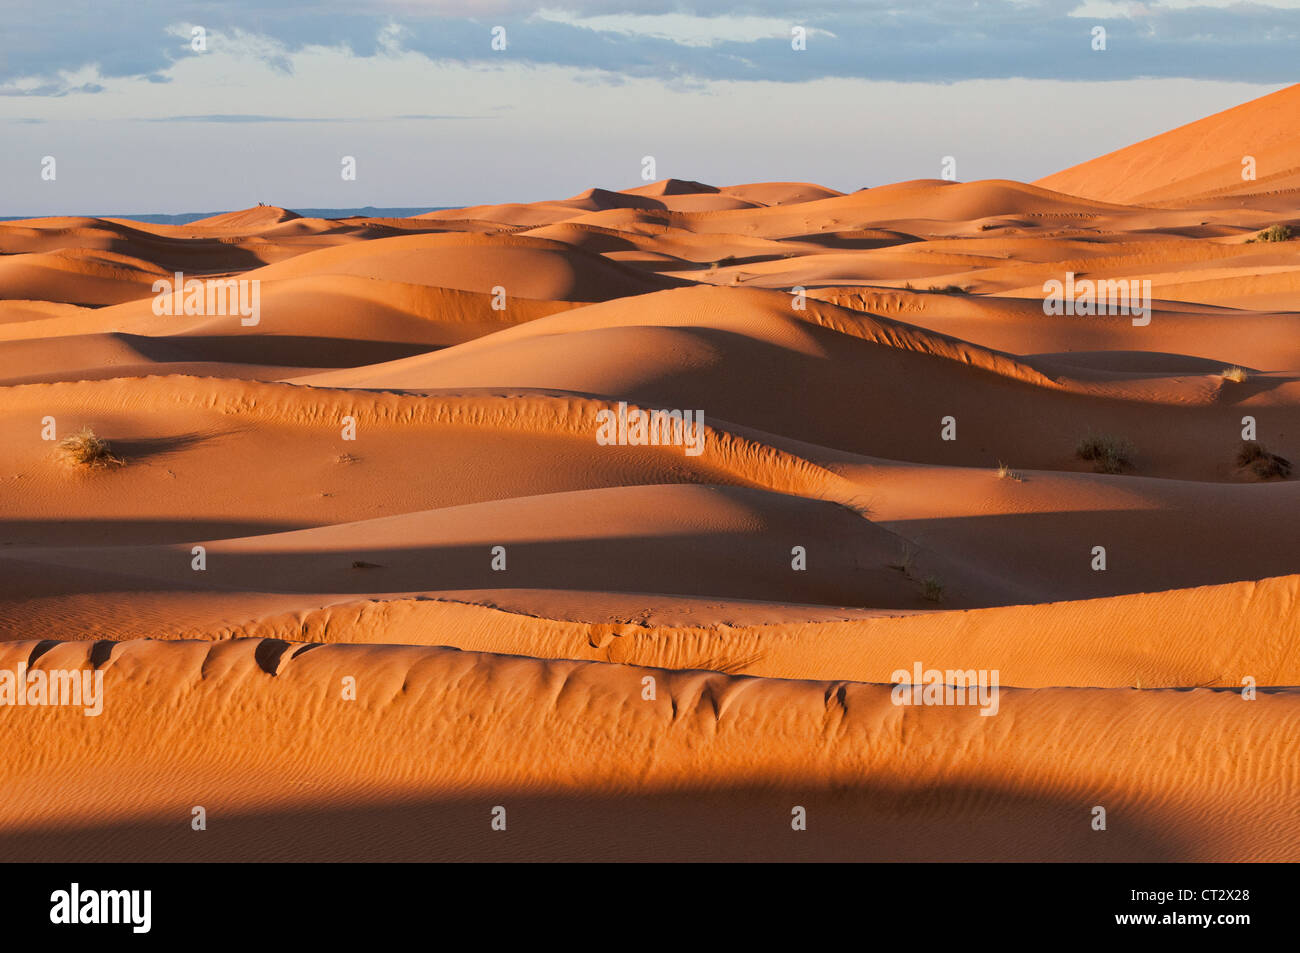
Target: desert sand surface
column 361, row 576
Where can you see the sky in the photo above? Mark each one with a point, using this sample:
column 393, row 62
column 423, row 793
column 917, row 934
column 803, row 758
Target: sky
column 165, row 106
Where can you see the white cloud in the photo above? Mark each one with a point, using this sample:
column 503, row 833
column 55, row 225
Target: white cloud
column 685, row 29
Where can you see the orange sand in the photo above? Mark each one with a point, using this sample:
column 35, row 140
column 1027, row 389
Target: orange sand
column 473, row 351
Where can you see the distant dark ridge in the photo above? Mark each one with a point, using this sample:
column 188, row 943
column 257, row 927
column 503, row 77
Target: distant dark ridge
column 186, row 217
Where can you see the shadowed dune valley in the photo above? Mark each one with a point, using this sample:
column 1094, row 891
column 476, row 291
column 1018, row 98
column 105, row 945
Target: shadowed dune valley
column 934, row 521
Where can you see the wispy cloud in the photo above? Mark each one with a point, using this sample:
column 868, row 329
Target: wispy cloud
column 944, row 41
column 236, row 118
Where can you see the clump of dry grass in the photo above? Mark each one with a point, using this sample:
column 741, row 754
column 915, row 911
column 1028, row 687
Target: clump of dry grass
column 906, row 559
column 932, row 589
column 85, row 449
column 1235, row 374
column 1109, row 454
column 1265, row 465
column 1006, row 473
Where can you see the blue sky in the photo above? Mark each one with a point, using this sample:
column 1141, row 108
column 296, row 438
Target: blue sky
column 139, row 121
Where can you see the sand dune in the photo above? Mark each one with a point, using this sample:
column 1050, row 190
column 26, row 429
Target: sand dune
column 1112, row 642
column 524, row 267
column 571, row 743
column 753, row 360
column 399, row 479
column 1201, row 160
column 248, row 219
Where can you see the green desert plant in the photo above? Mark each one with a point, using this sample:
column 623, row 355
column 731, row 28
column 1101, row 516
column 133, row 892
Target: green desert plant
column 1109, row 454
column 1274, row 233
column 84, row 449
